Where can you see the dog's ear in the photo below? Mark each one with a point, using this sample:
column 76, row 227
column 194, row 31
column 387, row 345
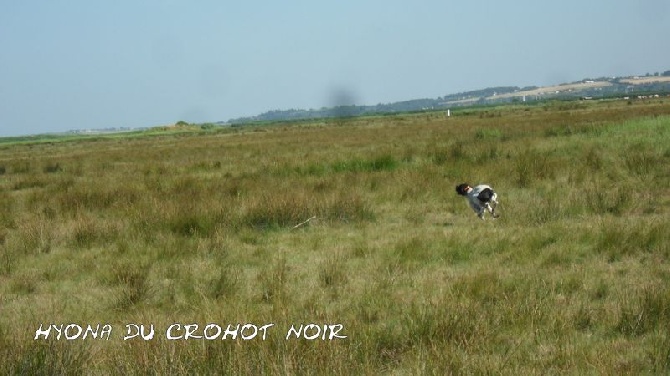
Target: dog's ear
column 460, row 189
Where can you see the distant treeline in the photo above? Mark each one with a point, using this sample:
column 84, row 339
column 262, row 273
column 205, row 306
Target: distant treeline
column 618, row 88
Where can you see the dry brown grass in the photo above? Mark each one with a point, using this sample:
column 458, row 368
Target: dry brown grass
column 646, row 80
column 198, row 227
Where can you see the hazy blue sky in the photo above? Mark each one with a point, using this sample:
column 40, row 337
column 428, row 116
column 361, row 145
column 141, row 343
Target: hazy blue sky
column 75, row 64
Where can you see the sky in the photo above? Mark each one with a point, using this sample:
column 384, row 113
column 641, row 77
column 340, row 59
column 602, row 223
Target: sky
column 81, row 64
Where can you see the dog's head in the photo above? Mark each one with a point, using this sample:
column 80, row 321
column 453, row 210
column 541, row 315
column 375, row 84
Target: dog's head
column 462, row 189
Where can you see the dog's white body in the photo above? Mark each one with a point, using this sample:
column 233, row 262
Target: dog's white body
column 482, row 198
column 479, row 206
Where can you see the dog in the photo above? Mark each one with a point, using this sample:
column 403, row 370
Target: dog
column 482, row 198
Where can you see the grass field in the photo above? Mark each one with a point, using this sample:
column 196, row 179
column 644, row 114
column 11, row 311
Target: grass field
column 352, row 224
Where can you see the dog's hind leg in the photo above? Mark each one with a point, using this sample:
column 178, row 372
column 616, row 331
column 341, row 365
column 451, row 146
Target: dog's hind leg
column 493, row 206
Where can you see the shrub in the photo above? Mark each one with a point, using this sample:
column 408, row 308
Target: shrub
column 52, row 168
column 135, row 288
column 532, row 165
column 333, row 273
column 380, row 163
column 488, row 134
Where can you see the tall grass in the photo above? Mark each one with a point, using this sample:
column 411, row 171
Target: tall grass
column 357, row 224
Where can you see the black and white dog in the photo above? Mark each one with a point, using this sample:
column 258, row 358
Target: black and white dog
column 482, row 198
